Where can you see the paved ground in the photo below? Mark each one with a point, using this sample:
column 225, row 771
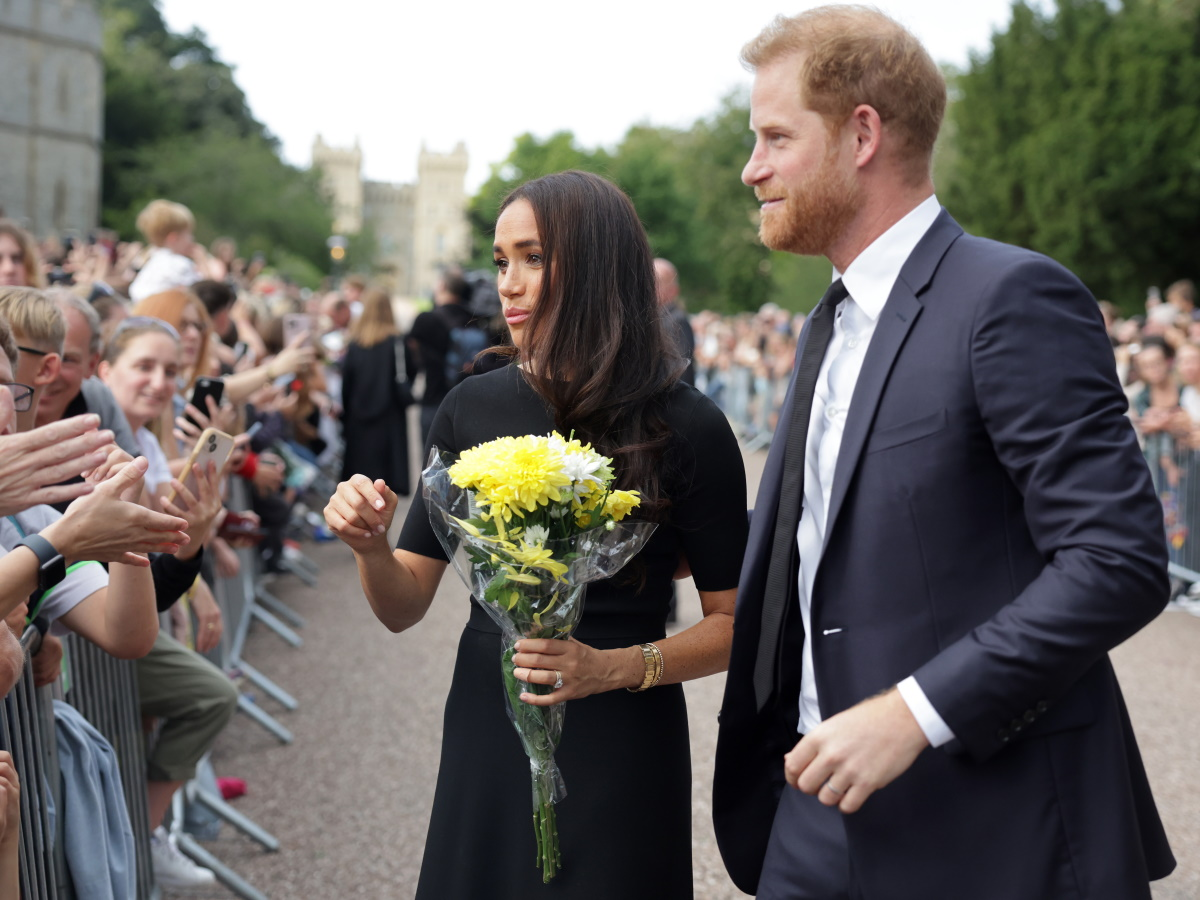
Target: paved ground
column 350, row 798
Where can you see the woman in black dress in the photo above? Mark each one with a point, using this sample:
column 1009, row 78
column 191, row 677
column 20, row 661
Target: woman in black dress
column 374, row 403
column 577, row 283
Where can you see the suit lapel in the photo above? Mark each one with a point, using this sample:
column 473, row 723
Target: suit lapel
column 897, row 318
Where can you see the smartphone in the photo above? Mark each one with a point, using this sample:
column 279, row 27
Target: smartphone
column 214, row 446
column 294, row 325
column 206, row 387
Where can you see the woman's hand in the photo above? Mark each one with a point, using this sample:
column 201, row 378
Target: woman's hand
column 209, row 623
column 225, row 561
column 360, row 513
column 584, row 670
column 106, row 527
column 199, row 509
column 268, row 477
column 222, row 417
column 297, row 355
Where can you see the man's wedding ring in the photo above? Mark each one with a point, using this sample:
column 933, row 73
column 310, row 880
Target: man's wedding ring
column 557, row 679
column 835, row 790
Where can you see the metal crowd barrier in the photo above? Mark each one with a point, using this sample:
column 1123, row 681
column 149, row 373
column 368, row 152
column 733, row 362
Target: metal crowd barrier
column 750, row 401
column 104, row 690
column 1175, row 469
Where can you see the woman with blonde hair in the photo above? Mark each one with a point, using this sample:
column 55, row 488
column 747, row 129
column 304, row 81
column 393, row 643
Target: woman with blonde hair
column 19, row 260
column 375, row 396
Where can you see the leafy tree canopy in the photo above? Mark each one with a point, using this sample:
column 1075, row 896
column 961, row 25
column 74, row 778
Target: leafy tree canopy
column 176, row 125
column 1078, row 134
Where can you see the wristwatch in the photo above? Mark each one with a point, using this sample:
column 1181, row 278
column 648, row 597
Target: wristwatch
column 52, row 567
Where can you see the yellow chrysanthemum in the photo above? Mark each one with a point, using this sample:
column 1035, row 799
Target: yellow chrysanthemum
column 619, row 504
column 538, row 557
column 512, row 475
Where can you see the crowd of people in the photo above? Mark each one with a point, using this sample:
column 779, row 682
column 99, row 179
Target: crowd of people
column 954, row 524
column 1158, row 360
column 137, row 382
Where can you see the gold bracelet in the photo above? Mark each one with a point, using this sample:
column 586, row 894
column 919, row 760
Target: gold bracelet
column 653, row 659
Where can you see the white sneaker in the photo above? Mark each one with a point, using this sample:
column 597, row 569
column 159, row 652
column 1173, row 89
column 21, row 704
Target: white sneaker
column 171, row 868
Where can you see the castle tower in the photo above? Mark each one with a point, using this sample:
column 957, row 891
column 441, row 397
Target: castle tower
column 51, row 114
column 440, row 231
column 341, row 176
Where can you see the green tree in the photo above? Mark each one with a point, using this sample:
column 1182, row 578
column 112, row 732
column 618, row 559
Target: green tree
column 1078, row 135
column 530, row 158
column 176, row 125
column 686, row 186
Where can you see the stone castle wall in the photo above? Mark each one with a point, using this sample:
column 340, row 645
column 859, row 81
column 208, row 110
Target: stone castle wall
column 51, row 114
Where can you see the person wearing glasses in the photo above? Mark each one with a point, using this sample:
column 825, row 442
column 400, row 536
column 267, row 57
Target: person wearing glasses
column 38, row 328
column 77, row 390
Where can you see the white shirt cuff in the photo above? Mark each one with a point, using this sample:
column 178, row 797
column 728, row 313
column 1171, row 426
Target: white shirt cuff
column 937, row 732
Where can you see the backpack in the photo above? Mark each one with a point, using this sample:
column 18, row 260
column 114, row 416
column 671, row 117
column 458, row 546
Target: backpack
column 466, row 341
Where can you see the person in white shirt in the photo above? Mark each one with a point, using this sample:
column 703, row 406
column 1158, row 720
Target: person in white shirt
column 954, row 526
column 169, row 228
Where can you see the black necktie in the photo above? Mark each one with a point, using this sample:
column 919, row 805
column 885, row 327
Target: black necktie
column 782, row 572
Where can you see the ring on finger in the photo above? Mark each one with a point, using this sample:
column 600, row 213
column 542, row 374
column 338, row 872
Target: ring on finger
column 558, row 682
column 833, row 789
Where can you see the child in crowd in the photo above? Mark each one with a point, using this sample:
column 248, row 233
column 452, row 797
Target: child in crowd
column 168, row 227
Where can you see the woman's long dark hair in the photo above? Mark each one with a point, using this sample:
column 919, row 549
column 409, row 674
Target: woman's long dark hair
column 602, row 360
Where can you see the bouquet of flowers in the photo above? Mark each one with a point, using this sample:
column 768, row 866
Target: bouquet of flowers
column 527, row 522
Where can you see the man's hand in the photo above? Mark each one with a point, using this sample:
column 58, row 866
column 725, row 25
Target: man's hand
column 105, row 528
column 10, row 801
column 47, row 662
column 849, row 756
column 33, row 462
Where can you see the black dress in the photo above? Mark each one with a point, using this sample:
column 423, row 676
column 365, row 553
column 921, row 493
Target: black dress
column 625, row 825
column 374, row 421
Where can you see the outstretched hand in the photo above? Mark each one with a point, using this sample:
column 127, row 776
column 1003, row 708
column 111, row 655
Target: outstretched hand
column 33, row 463
column 107, row 527
column 360, row 512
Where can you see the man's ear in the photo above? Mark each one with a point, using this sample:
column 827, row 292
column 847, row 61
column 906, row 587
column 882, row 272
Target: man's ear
column 90, row 368
column 867, row 128
column 47, row 370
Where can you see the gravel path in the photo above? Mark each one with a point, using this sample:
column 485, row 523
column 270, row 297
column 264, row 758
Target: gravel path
column 350, row 798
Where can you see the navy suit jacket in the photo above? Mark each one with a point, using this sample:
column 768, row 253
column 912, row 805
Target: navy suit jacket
column 993, row 530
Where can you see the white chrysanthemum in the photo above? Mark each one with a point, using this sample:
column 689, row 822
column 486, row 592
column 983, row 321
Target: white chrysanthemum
column 535, row 535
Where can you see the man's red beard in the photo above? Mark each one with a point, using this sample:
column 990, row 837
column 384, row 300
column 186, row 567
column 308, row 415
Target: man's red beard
column 814, row 214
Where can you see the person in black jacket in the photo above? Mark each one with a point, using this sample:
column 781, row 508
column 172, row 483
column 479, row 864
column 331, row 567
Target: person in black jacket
column 374, row 396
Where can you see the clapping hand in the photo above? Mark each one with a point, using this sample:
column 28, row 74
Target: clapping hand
column 33, row 463
column 108, row 526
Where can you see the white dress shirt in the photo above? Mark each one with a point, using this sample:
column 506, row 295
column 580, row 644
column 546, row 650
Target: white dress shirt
column 869, row 280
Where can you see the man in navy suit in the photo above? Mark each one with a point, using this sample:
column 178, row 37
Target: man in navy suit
column 920, row 702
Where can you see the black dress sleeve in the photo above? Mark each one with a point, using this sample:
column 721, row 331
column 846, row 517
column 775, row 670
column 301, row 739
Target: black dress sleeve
column 172, row 577
column 709, row 510
column 417, row 534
